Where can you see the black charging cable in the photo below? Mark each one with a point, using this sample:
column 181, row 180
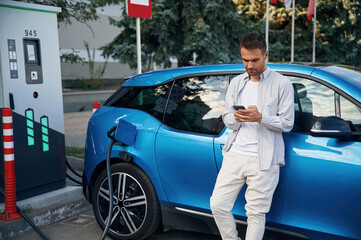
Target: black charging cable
column 74, row 172
column 42, row 235
column 110, row 134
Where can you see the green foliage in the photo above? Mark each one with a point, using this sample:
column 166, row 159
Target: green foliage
column 210, row 28
column 95, row 74
column 71, row 58
column 338, row 30
column 88, row 85
column 74, row 152
column 82, row 11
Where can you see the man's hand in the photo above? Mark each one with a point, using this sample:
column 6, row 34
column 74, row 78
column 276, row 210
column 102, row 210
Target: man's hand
column 251, row 114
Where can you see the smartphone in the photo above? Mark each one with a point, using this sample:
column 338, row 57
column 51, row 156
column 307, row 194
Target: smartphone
column 236, row 107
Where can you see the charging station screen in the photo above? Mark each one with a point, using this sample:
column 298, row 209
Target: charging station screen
column 33, row 68
column 32, row 52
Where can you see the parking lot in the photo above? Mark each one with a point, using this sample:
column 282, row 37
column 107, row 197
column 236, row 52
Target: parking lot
column 84, row 227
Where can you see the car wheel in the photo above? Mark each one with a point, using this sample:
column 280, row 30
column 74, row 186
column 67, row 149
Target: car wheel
column 136, row 210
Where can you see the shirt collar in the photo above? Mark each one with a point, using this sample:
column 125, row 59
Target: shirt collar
column 265, row 73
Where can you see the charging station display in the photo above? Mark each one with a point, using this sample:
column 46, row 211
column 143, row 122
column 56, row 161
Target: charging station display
column 33, row 69
column 30, row 84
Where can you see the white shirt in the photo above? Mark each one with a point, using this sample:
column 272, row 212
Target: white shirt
column 246, row 140
column 275, row 102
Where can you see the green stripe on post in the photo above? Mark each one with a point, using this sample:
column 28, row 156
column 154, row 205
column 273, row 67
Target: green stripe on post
column 29, row 123
column 45, row 132
column 29, row 113
column 30, row 132
column 31, row 141
column 45, row 147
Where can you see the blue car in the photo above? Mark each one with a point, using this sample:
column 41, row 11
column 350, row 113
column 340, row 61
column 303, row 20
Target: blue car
column 163, row 173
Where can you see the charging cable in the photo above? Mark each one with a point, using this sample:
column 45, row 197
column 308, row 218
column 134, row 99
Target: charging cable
column 31, row 223
column 110, row 134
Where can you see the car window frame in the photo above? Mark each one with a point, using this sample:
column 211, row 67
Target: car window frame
column 323, row 82
column 173, row 80
column 199, row 75
column 337, row 92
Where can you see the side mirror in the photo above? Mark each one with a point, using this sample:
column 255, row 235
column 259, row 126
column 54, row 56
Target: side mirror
column 332, row 127
column 125, row 132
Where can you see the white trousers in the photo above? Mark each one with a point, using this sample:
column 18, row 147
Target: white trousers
column 236, row 170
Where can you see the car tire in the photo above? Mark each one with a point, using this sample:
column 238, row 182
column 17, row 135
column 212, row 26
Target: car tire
column 137, row 214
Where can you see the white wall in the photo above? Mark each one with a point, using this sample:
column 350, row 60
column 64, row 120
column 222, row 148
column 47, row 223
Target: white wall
column 72, row 36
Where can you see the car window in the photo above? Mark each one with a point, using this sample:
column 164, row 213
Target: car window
column 312, row 101
column 197, row 104
column 149, row 99
column 351, row 113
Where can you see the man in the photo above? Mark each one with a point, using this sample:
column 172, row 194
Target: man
column 255, row 149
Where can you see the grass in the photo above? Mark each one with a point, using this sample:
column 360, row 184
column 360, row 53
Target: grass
column 74, row 152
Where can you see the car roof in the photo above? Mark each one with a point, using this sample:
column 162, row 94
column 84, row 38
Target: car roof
column 346, row 78
column 160, row 76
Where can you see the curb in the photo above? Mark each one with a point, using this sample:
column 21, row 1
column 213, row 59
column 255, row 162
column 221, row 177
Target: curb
column 44, row 216
column 49, row 207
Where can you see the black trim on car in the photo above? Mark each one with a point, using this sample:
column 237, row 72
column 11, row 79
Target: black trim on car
column 166, row 104
column 190, row 220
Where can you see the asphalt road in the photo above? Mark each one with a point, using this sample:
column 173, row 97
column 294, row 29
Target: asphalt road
column 85, row 227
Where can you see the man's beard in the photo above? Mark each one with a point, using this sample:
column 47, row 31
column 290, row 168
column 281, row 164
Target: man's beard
column 255, row 71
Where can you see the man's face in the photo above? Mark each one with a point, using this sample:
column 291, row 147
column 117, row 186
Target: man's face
column 254, row 60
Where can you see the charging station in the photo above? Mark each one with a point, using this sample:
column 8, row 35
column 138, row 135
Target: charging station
column 30, row 84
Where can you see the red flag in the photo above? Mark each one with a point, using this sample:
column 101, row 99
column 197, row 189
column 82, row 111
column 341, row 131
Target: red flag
column 274, row 2
column 311, row 9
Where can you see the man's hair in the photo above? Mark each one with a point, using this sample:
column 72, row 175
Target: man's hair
column 253, row 40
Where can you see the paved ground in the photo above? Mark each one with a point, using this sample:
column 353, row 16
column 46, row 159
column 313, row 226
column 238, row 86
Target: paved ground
column 84, row 227
column 76, row 124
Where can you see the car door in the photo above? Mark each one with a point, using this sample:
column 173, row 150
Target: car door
column 320, row 185
column 184, row 143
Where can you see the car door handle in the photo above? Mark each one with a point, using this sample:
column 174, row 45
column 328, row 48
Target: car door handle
column 221, row 146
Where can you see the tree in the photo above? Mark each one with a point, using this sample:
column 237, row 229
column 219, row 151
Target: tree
column 81, row 11
column 178, row 29
column 337, row 37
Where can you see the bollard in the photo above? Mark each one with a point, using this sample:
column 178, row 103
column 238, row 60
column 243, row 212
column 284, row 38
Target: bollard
column 9, row 168
column 96, row 105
